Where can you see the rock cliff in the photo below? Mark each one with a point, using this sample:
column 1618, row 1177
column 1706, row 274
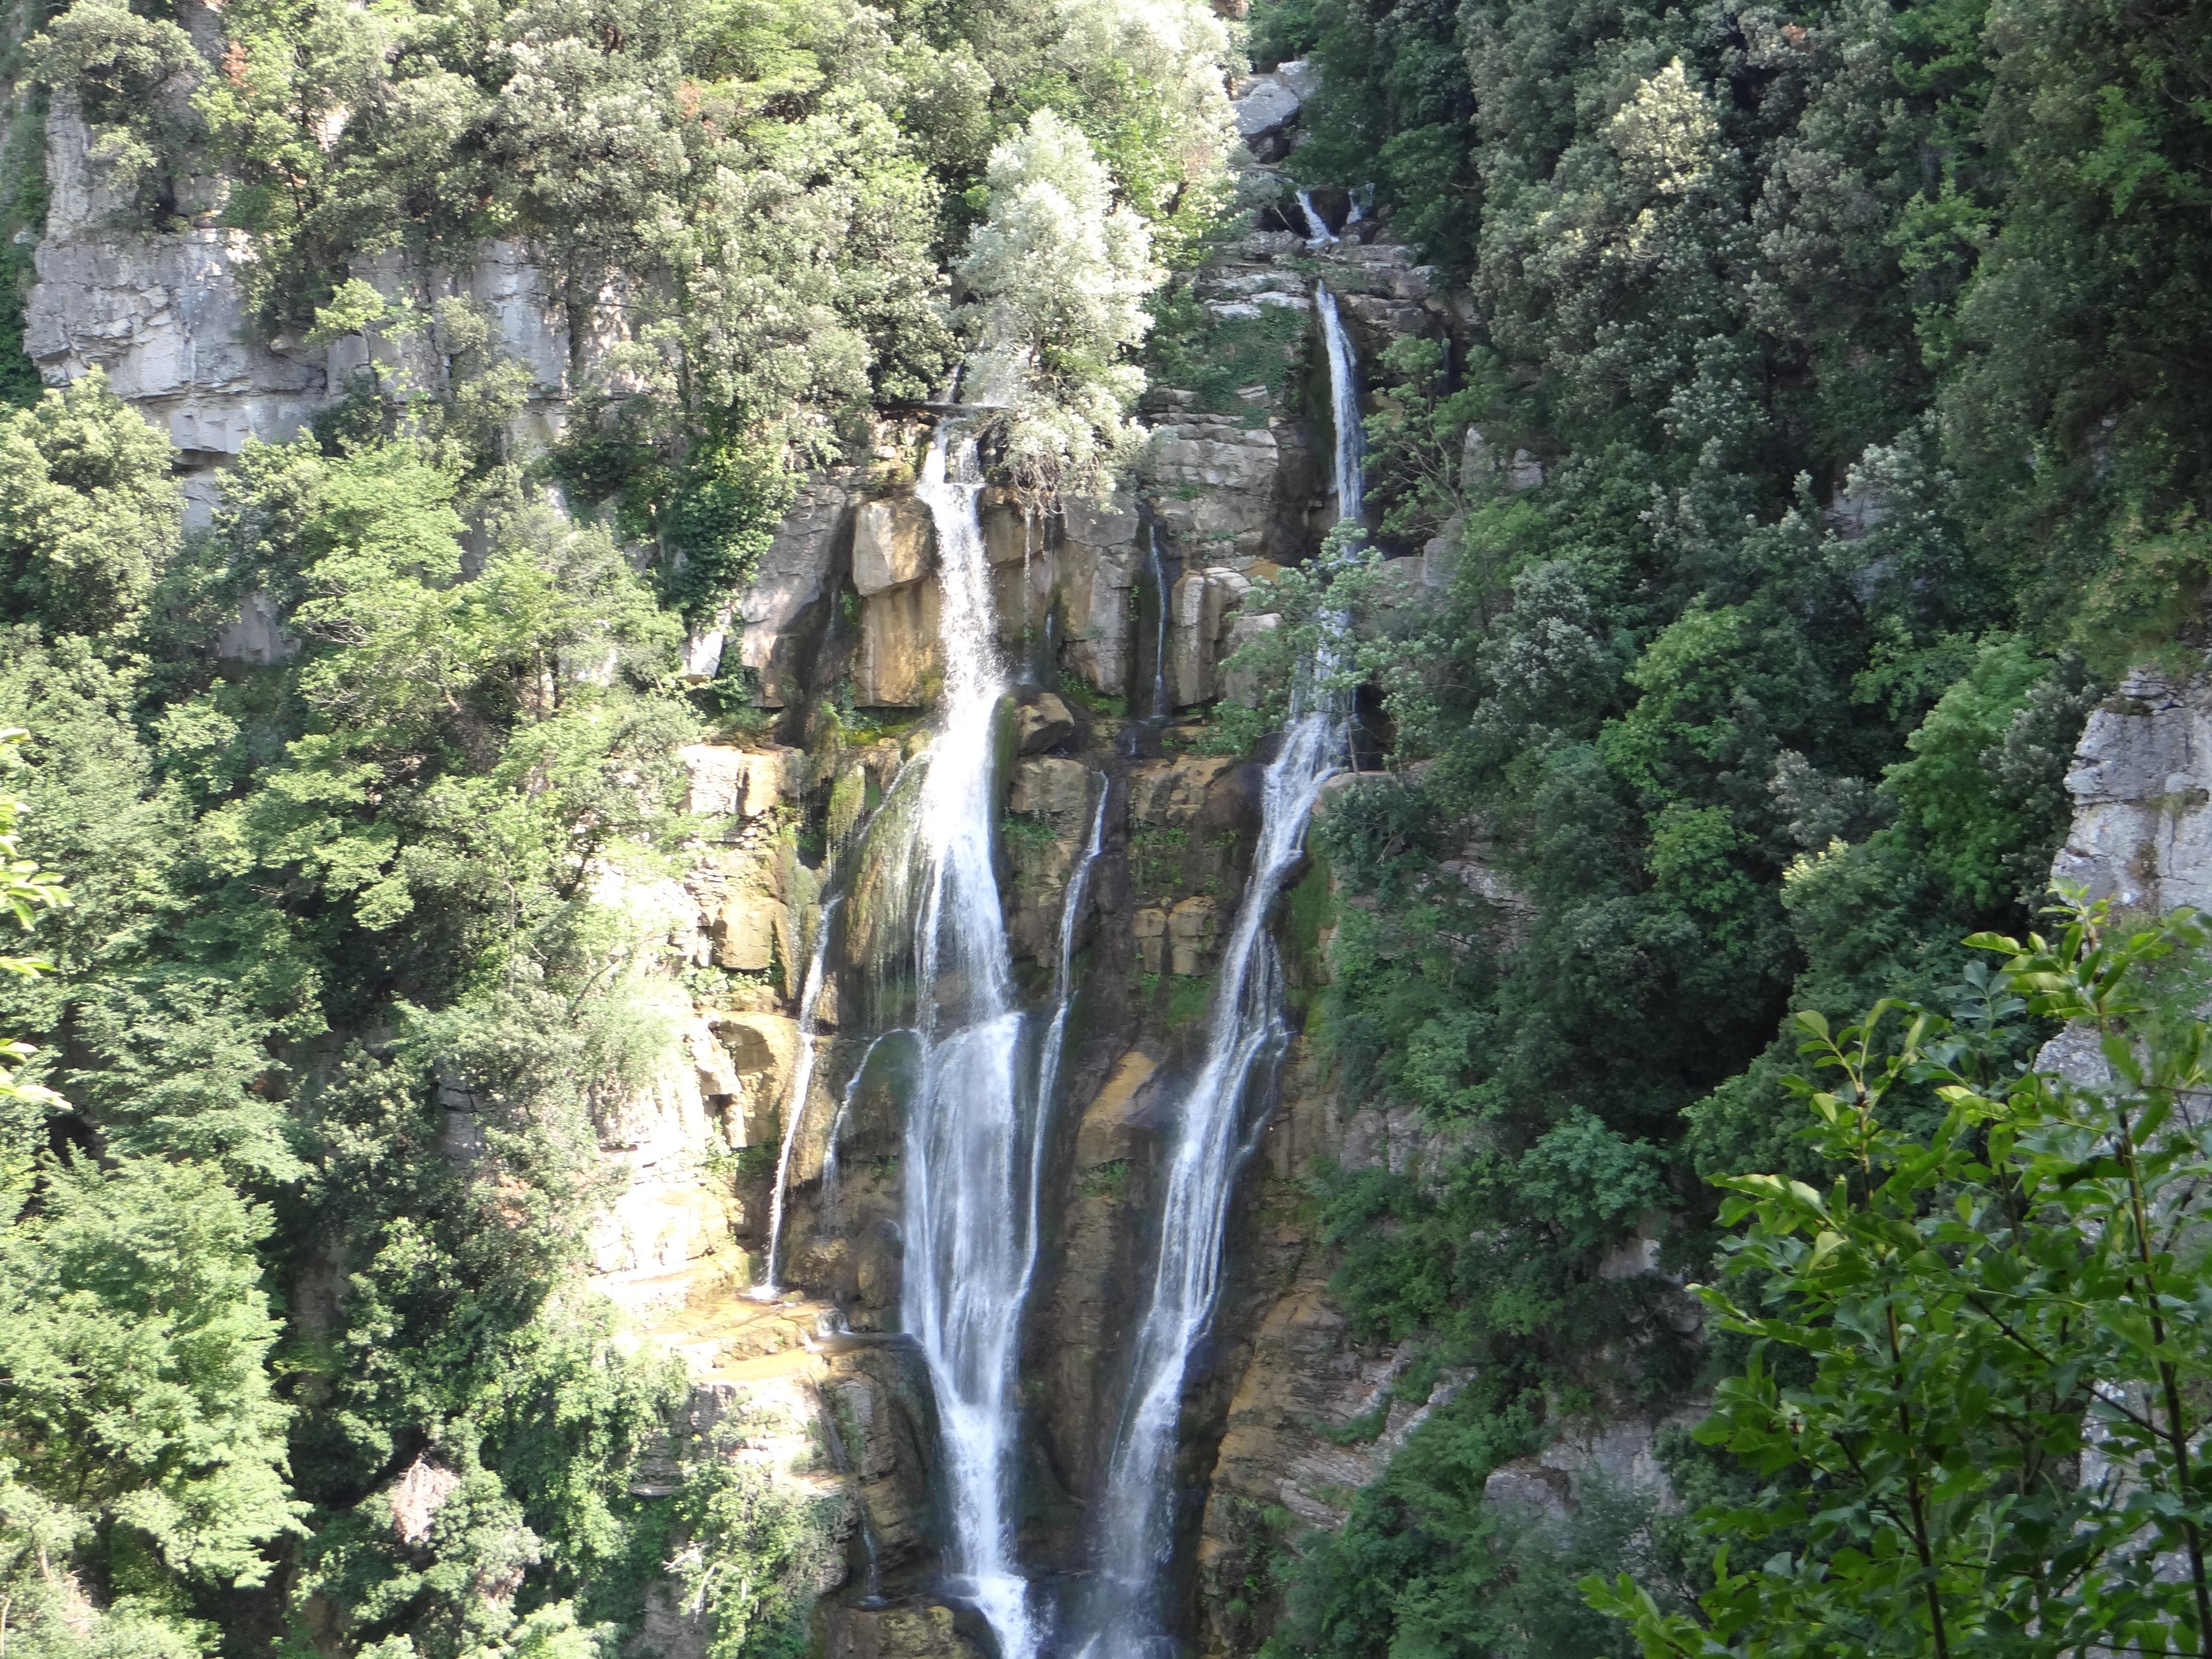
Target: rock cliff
column 1129, row 606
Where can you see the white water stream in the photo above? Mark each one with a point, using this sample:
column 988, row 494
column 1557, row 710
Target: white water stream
column 1155, row 568
column 977, row 1118
column 1128, row 1618
column 967, row 1167
column 794, row 1108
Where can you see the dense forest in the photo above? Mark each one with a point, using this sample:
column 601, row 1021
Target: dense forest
column 1824, row 435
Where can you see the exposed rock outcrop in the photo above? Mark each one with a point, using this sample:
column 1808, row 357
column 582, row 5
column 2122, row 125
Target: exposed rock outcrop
column 2142, row 783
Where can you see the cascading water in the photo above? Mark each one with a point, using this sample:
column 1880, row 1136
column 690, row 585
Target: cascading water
column 832, row 1161
column 968, row 1153
column 1073, row 899
column 1155, row 568
column 1317, row 230
column 1245, row 1037
column 1344, row 412
column 794, row 1110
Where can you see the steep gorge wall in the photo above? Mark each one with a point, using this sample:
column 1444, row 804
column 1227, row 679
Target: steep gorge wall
column 1107, row 598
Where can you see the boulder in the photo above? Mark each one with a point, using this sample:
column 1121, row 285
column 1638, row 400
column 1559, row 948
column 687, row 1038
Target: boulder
column 893, row 543
column 791, row 579
column 731, row 782
column 1300, row 76
column 1058, row 789
column 1264, row 112
column 897, row 658
column 1044, row 722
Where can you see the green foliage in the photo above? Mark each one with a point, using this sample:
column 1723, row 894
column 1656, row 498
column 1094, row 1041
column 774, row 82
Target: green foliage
column 89, row 515
column 1422, row 1567
column 1060, row 273
column 1974, row 1379
column 1803, row 503
column 1215, row 358
column 140, row 1436
column 755, row 1550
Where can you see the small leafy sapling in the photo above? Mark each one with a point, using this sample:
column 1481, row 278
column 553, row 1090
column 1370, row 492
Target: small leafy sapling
column 1980, row 1360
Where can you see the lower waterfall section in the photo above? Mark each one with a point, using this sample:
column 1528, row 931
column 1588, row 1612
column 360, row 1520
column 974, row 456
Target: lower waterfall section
column 1126, row 1616
column 1245, row 1036
column 970, row 1149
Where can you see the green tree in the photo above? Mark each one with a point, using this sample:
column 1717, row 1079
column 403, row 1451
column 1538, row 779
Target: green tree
column 1059, row 274
column 25, row 891
column 1977, row 1364
column 89, row 515
column 142, row 1447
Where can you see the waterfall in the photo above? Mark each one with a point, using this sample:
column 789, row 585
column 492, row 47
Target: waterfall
column 802, row 1081
column 1072, row 900
column 968, row 1162
column 830, row 1164
column 1317, row 230
column 1246, row 1035
column 1157, row 569
column 1344, row 411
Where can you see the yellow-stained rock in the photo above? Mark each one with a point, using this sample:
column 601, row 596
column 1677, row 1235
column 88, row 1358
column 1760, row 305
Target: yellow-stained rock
column 1170, row 793
column 892, row 545
column 1107, row 1131
column 1190, row 936
column 1149, row 928
column 747, row 930
column 763, row 1048
column 897, row 658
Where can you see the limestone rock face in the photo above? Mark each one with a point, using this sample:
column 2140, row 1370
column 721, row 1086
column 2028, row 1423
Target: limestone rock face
column 1198, row 629
column 781, row 608
column 1620, row 1453
column 1091, row 1316
column 898, row 654
column 731, row 782
column 914, row 1630
column 2142, row 783
column 1190, row 933
column 893, row 543
column 1060, row 789
column 1171, row 794
column 1213, row 483
column 1092, row 590
column 1108, row 522
column 259, row 636
column 165, row 315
